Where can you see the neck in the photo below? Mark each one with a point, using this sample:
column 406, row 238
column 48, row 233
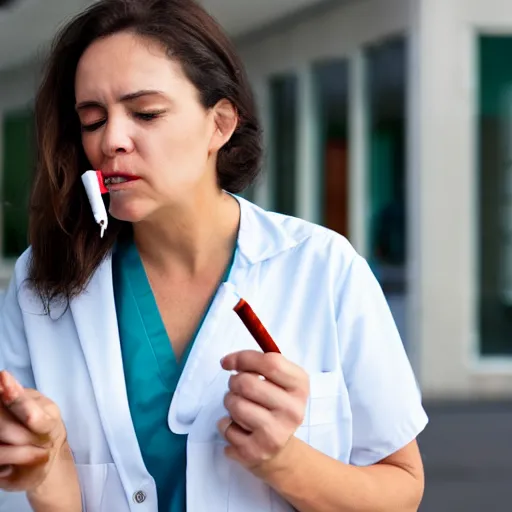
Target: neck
column 192, row 236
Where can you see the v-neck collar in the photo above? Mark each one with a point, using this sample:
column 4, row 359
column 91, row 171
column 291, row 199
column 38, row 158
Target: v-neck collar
column 132, row 268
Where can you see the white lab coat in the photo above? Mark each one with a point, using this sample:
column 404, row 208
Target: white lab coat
column 320, row 302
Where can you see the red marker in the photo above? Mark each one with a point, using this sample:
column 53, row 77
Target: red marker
column 255, row 327
column 101, row 181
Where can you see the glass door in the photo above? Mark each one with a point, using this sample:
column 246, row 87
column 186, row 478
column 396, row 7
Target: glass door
column 331, row 92
column 386, row 89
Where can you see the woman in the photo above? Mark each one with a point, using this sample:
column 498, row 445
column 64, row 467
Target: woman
column 130, row 383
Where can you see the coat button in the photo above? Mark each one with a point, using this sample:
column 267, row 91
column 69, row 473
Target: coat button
column 139, row 497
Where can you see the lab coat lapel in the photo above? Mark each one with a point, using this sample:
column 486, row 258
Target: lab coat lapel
column 197, row 405
column 95, row 319
column 214, row 482
column 216, row 338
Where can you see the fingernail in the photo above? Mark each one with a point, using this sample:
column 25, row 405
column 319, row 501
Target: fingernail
column 15, row 384
column 11, row 388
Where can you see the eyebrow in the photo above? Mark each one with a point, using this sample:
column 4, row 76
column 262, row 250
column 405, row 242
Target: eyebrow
column 123, row 99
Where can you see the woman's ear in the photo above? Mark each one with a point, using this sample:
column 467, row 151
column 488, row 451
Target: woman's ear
column 225, row 118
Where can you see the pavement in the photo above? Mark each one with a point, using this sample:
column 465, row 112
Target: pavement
column 467, row 452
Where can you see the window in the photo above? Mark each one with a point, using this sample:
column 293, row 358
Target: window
column 495, row 194
column 283, row 136
column 331, row 88
column 18, row 160
column 386, row 89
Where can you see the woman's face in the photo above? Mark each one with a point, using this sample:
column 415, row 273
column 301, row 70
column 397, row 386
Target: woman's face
column 142, row 118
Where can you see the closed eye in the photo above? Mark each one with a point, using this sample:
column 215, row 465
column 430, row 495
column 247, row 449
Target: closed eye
column 93, row 126
column 148, row 116
column 143, row 116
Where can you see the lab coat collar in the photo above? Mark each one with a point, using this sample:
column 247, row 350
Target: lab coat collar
column 262, row 234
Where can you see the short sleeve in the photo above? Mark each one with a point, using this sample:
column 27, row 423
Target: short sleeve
column 14, row 352
column 384, row 395
column 14, row 356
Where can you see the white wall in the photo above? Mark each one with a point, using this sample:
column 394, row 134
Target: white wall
column 337, row 32
column 446, row 164
column 29, row 25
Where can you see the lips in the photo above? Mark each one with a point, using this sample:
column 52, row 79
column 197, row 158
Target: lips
column 126, row 175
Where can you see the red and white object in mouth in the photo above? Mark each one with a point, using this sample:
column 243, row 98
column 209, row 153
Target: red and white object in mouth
column 95, row 186
column 117, row 180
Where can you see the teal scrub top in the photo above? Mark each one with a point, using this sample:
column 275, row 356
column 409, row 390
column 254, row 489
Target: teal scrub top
column 151, row 373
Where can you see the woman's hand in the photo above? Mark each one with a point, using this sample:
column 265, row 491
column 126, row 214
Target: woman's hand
column 266, row 403
column 32, row 436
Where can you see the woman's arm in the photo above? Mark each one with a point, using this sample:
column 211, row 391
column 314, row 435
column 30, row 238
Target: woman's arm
column 60, row 492
column 314, row 482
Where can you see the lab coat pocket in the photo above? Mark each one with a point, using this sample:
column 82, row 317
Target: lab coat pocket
column 101, row 488
column 216, row 483
column 327, row 417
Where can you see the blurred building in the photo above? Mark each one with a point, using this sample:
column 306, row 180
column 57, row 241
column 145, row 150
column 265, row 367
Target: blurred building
column 389, row 121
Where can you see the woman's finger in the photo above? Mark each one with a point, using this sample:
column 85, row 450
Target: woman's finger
column 233, row 433
column 246, row 414
column 272, row 366
column 240, row 447
column 23, row 455
column 262, row 392
column 14, row 433
column 23, row 407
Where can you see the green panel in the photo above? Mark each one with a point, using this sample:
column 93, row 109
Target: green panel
column 386, row 89
column 17, row 170
column 495, row 72
column 283, row 129
column 495, row 223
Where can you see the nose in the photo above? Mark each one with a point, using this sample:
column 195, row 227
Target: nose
column 116, row 137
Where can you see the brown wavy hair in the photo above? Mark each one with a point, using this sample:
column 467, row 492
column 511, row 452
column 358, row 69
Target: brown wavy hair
column 65, row 242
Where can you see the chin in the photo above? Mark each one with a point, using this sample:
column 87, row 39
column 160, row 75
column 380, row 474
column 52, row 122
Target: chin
column 128, row 212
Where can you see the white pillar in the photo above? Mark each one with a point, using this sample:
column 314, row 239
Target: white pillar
column 308, row 169
column 358, row 149
column 413, row 190
column 443, row 189
column 263, row 189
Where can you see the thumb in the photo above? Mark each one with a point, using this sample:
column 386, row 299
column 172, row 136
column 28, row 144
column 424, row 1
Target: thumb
column 23, row 407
